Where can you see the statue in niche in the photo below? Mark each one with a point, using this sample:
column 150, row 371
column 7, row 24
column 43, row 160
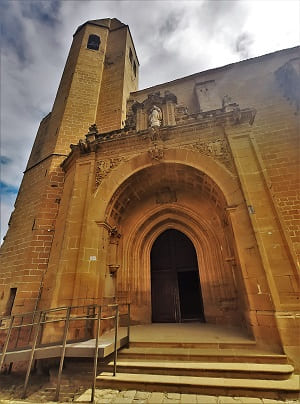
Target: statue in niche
column 155, row 117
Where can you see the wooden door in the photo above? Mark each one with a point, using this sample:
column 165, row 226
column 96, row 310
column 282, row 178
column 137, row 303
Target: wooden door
column 164, row 297
column 175, row 285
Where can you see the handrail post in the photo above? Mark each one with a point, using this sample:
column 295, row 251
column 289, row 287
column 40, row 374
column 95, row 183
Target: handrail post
column 62, row 358
column 96, row 352
column 7, row 341
column 116, row 340
column 128, row 324
column 19, row 332
column 32, row 353
column 32, row 321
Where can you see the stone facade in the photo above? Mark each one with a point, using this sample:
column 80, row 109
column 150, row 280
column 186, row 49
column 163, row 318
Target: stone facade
column 218, row 160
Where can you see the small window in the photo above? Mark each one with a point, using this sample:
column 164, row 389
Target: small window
column 93, row 42
column 11, row 300
column 134, row 68
column 130, row 55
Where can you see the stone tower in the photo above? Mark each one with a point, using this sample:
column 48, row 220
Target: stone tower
column 100, row 72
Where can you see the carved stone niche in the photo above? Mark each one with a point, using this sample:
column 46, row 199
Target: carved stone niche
column 288, row 77
column 139, row 114
column 207, row 95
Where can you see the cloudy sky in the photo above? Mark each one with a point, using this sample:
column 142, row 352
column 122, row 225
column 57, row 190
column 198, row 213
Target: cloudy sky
column 172, row 38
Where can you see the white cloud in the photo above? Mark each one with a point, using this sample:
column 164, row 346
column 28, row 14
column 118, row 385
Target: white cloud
column 172, row 39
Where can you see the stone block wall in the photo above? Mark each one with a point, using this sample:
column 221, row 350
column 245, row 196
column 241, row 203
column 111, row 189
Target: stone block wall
column 25, row 251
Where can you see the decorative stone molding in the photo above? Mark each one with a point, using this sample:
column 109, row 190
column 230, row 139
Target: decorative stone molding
column 104, row 167
column 154, row 134
column 113, row 269
column 92, row 133
column 231, row 208
column 181, row 113
column 217, row 149
column 154, row 111
column 114, row 235
column 113, row 232
column 156, row 153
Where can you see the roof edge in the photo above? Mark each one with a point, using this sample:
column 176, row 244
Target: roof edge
column 224, row 67
column 91, row 23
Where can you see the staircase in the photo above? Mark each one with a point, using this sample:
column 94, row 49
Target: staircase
column 203, row 368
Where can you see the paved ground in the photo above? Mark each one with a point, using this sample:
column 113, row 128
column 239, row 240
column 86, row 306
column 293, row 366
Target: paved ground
column 142, row 397
column 10, row 393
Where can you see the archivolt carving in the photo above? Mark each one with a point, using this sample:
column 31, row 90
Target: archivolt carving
column 217, row 149
column 104, row 167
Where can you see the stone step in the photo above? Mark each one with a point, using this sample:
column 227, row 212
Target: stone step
column 206, row 369
column 273, row 389
column 203, row 355
column 201, row 345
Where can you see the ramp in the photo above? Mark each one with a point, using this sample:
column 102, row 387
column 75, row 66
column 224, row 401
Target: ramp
column 50, row 334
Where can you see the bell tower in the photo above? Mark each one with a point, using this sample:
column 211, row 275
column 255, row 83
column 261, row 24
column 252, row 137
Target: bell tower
column 100, row 72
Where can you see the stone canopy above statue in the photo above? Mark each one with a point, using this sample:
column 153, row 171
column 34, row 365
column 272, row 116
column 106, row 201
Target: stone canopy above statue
column 155, row 111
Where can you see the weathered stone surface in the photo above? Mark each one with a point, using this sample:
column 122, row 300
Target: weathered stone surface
column 188, row 399
column 202, row 399
column 156, row 398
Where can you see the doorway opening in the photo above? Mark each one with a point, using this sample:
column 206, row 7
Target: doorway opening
column 175, row 285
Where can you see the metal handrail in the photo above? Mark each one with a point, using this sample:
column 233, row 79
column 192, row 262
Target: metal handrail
column 62, row 358
column 38, row 319
column 96, row 353
column 32, row 355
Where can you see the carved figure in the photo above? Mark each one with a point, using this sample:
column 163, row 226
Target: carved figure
column 155, row 116
column 93, row 130
column 84, row 147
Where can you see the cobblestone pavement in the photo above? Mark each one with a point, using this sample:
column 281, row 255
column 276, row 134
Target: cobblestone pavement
column 108, row 396
column 40, row 391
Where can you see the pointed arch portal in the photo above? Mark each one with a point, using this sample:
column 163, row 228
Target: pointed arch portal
column 175, row 253
column 193, row 195
column 175, row 284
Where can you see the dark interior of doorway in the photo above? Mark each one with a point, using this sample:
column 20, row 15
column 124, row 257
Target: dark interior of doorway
column 175, row 284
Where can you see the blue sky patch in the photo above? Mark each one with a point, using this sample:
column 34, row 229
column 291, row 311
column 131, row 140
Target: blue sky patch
column 7, row 188
column 47, row 12
column 5, row 160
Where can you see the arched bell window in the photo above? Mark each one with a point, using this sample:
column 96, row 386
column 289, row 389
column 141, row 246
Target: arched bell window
column 93, row 42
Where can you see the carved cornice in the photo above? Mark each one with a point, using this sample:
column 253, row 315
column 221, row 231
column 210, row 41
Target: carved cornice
column 188, row 123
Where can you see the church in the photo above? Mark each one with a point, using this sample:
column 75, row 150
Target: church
column 181, row 199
